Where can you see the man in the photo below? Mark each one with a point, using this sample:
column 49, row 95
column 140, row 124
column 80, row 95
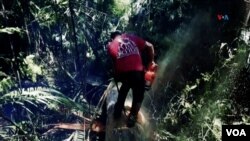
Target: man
column 125, row 50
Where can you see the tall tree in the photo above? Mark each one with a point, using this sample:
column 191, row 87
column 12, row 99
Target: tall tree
column 77, row 60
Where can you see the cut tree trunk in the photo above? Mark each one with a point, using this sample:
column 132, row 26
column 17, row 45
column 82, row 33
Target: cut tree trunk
column 116, row 130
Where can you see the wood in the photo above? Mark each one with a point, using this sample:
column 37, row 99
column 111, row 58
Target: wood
column 72, row 126
column 117, row 130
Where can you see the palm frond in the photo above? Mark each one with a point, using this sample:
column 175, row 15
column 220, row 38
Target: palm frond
column 51, row 98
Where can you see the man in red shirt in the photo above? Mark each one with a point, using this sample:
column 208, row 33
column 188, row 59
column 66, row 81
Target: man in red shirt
column 125, row 50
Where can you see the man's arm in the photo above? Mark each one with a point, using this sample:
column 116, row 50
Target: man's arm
column 151, row 51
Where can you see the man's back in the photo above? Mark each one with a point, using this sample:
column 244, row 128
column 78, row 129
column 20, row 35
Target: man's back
column 125, row 51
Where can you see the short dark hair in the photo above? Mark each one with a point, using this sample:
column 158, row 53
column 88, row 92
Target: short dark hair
column 114, row 34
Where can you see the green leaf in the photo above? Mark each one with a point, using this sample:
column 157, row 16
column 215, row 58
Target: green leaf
column 62, row 2
column 53, row 99
column 2, row 74
column 11, row 30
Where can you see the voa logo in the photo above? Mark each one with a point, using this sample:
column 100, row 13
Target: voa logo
column 236, row 132
column 221, row 17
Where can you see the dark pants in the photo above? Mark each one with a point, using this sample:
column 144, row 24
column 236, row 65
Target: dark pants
column 135, row 81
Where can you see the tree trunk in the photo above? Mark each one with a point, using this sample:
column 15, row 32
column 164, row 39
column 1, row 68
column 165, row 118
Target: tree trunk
column 77, row 60
column 247, row 12
column 116, row 130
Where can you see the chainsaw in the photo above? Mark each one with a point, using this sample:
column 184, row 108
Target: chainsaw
column 150, row 75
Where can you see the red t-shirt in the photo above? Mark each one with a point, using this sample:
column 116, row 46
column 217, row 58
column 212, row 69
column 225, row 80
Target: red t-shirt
column 125, row 52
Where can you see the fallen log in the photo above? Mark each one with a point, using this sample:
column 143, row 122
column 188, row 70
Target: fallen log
column 72, row 126
column 117, row 130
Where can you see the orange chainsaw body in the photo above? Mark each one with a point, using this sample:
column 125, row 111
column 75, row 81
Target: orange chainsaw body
column 150, row 75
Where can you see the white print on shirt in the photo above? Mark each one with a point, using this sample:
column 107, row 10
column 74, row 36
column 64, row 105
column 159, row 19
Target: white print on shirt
column 126, row 48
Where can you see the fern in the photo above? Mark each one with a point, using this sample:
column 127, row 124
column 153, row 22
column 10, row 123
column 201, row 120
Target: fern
column 51, row 98
column 6, row 84
column 47, row 97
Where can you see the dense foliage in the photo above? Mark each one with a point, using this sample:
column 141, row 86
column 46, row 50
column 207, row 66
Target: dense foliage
column 54, row 66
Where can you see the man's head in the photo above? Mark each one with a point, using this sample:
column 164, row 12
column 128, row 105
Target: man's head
column 114, row 34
